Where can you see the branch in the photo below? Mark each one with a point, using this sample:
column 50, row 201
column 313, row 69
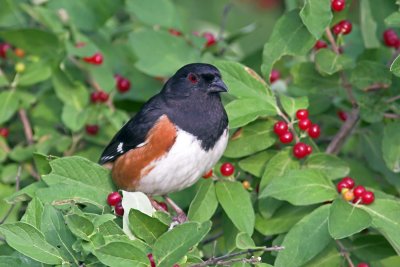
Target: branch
column 392, row 99
column 345, row 253
column 391, row 116
column 376, row 87
column 212, row 238
column 17, row 179
column 331, row 39
column 226, row 259
column 337, row 142
column 27, row 126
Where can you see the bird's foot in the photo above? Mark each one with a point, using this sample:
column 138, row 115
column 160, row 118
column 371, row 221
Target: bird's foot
column 180, row 214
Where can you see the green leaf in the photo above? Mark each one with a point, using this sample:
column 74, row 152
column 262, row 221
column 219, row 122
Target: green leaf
column 34, row 73
column 346, row 220
column 29, row 241
column 328, row 62
column 3, row 79
column 256, row 163
column 242, row 81
column 145, row 227
column 385, row 215
column 368, row 73
column 372, row 247
column 277, row 166
column 8, row 105
column 395, row 67
column 243, row 111
column 254, row 137
column 57, row 233
column 301, row 187
column 391, row 146
column 121, row 254
column 330, row 165
column 291, row 105
column 33, row 214
column 316, row 15
column 282, row 220
column 80, row 226
column 26, row 193
column 204, row 204
column 393, row 20
column 330, row 256
column 244, row 241
column 74, row 118
column 305, row 240
column 174, row 244
column 233, row 197
column 160, row 53
column 159, row 12
column 34, row 41
column 368, row 26
column 289, row 37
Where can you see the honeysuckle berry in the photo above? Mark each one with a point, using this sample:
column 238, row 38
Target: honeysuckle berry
column 338, row 5
column 4, row 132
column 348, row 195
column 227, row 169
column 274, row 76
column 3, row 49
column 358, row 191
column 246, row 184
column 123, row 85
column 114, row 198
column 320, row 44
column 349, row 181
column 304, row 124
column 341, row 185
column 286, row 138
column 342, row 115
column 314, row 131
column 367, row 197
column 210, row 39
column 302, row 114
column 95, row 59
column 280, row 127
column 362, row 264
column 300, row 150
column 119, row 210
column 390, row 38
column 92, row 129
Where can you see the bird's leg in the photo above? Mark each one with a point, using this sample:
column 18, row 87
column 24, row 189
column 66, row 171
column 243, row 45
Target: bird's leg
column 155, row 205
column 180, row 214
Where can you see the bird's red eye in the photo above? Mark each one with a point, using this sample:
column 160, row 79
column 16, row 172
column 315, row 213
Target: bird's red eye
column 192, row 78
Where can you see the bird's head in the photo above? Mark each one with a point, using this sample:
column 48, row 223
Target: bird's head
column 195, row 78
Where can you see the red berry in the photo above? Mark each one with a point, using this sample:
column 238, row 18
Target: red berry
column 274, row 76
column 208, row 174
column 92, row 129
column 390, row 38
column 342, row 115
column 349, row 181
column 119, row 210
column 286, row 138
column 359, row 191
column 227, row 169
column 338, row 5
column 4, row 132
column 304, row 124
column 151, row 259
column 280, row 127
column 337, row 29
column 210, row 39
column 175, row 32
column 3, row 49
column 114, row 198
column 314, row 131
column 346, row 26
column 302, row 114
column 103, row 96
column 362, row 264
column 341, row 185
column 300, row 150
column 163, row 205
column 95, row 59
column 123, row 85
column 94, row 97
column 320, row 44
column 309, row 150
column 367, row 197
column 175, row 265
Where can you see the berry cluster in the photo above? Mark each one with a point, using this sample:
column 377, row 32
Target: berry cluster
column 123, row 84
column 343, row 27
column 356, row 194
column 338, row 5
column 99, row 97
column 114, row 199
column 300, row 149
column 391, row 38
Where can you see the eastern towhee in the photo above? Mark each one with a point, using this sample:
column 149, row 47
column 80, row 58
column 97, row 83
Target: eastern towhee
column 177, row 136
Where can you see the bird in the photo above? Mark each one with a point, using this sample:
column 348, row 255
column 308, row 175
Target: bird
column 178, row 135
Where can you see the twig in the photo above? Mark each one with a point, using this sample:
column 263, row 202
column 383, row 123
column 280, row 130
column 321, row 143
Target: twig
column 376, row 87
column 226, row 259
column 347, row 86
column 336, row 144
column 220, row 35
column 74, row 145
column 27, row 126
column 17, row 178
column 212, row 238
column 394, row 56
column 331, row 39
column 392, row 99
column 345, row 253
column 391, row 116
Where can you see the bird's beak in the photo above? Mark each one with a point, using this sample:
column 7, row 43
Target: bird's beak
column 217, row 86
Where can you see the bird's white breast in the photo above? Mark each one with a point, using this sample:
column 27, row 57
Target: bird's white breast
column 182, row 166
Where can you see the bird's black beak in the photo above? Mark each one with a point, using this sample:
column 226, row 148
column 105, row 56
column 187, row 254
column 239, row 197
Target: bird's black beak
column 217, row 86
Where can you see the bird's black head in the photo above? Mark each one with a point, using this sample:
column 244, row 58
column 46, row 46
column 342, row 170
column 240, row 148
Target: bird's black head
column 195, row 78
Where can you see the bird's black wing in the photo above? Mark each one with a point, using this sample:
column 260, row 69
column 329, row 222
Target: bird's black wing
column 133, row 133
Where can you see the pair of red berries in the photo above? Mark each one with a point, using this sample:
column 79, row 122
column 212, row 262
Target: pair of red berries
column 391, row 38
column 95, row 59
column 123, row 84
column 355, row 194
column 99, row 97
column 226, row 169
column 114, row 199
column 338, row 5
column 343, row 27
column 4, row 132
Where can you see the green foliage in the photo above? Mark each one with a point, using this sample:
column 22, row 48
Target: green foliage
column 55, row 211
